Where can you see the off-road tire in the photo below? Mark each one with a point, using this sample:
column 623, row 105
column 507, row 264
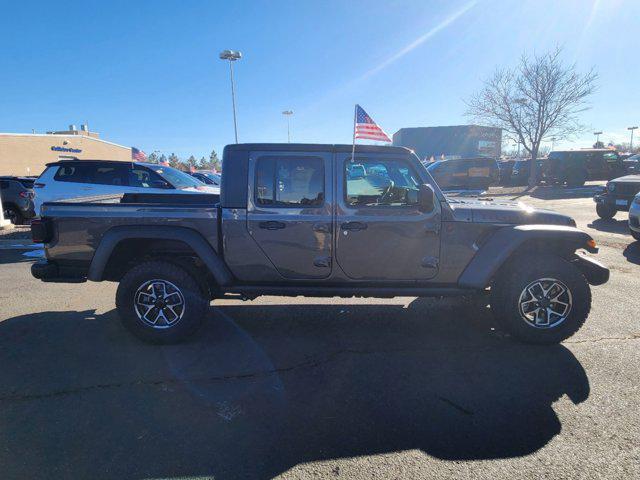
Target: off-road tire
column 606, row 212
column 195, row 302
column 521, row 272
column 13, row 214
column 576, row 179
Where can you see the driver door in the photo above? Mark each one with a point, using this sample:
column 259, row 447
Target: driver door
column 381, row 232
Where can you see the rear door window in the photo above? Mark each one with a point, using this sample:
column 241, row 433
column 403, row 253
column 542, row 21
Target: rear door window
column 289, row 181
column 74, row 173
column 116, row 175
column 144, row 178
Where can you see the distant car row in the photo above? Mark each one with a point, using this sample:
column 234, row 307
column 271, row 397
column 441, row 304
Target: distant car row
column 23, row 196
column 575, row 167
column 571, row 168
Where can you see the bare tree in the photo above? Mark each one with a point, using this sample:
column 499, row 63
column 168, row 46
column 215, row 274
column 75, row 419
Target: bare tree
column 539, row 99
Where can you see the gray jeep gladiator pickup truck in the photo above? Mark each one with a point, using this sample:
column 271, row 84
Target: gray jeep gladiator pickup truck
column 299, row 219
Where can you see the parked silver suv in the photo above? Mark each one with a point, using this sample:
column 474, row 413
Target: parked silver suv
column 634, row 217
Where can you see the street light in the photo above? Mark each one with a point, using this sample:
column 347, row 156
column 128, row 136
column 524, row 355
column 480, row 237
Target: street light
column 553, row 143
column 288, row 113
column 232, row 56
column 631, row 142
column 597, row 134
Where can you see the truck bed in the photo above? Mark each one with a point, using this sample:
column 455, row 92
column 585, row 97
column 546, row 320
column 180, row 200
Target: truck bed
column 79, row 224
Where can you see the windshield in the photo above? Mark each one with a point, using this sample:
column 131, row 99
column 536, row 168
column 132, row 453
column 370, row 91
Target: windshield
column 176, row 178
column 213, row 176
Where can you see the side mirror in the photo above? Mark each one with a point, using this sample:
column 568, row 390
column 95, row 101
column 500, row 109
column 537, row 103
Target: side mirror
column 426, row 198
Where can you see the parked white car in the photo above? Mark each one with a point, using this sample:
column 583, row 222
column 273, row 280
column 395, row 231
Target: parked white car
column 634, row 217
column 86, row 178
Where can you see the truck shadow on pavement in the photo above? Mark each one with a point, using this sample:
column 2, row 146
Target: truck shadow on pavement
column 611, row 226
column 263, row 388
column 632, row 252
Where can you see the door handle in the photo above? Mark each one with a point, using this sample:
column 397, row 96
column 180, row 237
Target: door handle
column 353, row 226
column 272, row 225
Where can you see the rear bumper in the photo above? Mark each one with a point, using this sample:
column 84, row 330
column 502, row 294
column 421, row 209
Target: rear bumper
column 595, row 272
column 51, row 272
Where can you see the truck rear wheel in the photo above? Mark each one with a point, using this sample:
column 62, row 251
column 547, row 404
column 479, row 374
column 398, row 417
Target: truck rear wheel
column 541, row 300
column 606, row 212
column 160, row 302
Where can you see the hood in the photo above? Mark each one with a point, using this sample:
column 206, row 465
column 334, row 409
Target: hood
column 203, row 189
column 626, row 179
column 509, row 212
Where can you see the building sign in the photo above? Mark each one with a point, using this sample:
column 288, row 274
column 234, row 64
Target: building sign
column 66, row 150
column 487, row 148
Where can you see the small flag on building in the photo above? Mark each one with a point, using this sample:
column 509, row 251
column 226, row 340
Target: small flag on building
column 365, row 127
column 138, row 155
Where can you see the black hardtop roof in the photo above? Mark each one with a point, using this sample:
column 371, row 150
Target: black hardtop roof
column 316, row 147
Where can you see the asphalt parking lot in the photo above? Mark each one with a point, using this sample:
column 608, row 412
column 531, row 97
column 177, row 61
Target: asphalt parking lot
column 315, row 388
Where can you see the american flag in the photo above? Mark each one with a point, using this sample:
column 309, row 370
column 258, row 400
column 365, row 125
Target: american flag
column 367, row 128
column 138, row 155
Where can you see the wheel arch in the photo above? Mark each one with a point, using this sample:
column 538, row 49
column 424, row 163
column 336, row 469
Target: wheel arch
column 511, row 242
column 120, row 245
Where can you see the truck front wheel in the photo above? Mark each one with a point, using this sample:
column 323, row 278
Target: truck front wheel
column 543, row 300
column 160, row 302
column 606, row 212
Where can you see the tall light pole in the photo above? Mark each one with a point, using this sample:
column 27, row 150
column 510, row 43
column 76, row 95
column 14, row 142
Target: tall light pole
column 288, row 113
column 232, row 56
column 553, row 142
column 631, row 142
column 597, row 134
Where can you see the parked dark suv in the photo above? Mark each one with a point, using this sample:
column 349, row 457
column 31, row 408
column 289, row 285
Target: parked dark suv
column 465, row 173
column 17, row 198
column 618, row 196
column 574, row 167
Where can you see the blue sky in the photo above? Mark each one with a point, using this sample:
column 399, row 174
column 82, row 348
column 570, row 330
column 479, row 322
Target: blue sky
column 147, row 73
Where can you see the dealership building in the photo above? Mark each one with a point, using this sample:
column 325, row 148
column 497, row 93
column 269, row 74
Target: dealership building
column 23, row 154
column 460, row 141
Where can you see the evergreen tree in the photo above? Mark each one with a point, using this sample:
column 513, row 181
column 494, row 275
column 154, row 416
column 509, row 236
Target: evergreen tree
column 174, row 161
column 192, row 163
column 153, row 158
column 214, row 161
column 163, row 159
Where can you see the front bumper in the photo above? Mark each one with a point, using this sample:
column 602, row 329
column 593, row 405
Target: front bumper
column 620, row 203
column 595, row 272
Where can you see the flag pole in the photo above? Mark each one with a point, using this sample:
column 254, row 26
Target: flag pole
column 353, row 150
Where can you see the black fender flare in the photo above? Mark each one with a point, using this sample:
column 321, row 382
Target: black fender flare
column 500, row 246
column 190, row 237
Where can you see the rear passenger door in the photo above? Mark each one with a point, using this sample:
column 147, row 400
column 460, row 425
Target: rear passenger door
column 289, row 211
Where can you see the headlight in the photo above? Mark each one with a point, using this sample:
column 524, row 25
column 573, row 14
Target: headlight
column 611, row 186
